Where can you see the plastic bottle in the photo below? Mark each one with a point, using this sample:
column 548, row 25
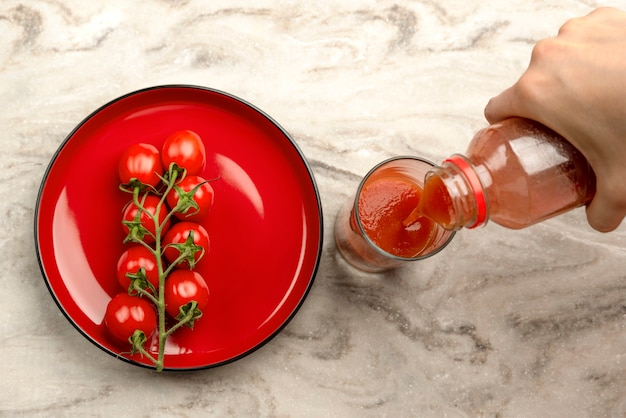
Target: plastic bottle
column 515, row 173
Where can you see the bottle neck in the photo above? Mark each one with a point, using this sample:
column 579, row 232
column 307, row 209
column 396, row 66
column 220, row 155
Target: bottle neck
column 476, row 189
column 466, row 200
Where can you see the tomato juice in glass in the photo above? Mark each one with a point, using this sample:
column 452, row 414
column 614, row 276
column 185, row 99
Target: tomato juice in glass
column 369, row 230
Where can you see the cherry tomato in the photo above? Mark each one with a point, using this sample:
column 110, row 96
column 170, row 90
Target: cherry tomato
column 177, row 241
column 186, row 150
column 182, row 287
column 125, row 314
column 140, row 162
column 145, row 219
column 196, row 204
column 131, row 262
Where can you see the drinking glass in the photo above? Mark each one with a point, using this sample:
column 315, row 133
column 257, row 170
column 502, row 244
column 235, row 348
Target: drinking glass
column 354, row 244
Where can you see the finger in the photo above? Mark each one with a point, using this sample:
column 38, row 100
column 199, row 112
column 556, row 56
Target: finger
column 604, row 216
column 501, row 106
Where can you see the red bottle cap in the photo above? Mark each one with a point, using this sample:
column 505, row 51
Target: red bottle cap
column 477, row 188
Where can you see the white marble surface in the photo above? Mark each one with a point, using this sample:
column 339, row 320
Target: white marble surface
column 502, row 324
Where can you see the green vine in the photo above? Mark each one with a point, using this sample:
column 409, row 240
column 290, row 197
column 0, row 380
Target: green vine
column 188, row 252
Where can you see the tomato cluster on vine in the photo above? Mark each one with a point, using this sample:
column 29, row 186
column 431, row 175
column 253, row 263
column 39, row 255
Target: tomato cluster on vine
column 164, row 241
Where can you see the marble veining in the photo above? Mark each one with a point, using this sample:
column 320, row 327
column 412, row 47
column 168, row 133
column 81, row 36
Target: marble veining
column 503, row 323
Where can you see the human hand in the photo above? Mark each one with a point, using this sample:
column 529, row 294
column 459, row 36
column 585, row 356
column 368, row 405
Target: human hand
column 575, row 84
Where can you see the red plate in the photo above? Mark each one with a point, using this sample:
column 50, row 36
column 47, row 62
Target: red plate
column 265, row 226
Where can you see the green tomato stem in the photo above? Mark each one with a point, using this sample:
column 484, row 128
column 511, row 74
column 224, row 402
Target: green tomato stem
column 145, row 294
column 145, row 352
column 188, row 317
column 157, row 251
column 162, row 274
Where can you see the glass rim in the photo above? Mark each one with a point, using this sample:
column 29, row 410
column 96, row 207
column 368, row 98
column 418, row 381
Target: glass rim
column 355, row 207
